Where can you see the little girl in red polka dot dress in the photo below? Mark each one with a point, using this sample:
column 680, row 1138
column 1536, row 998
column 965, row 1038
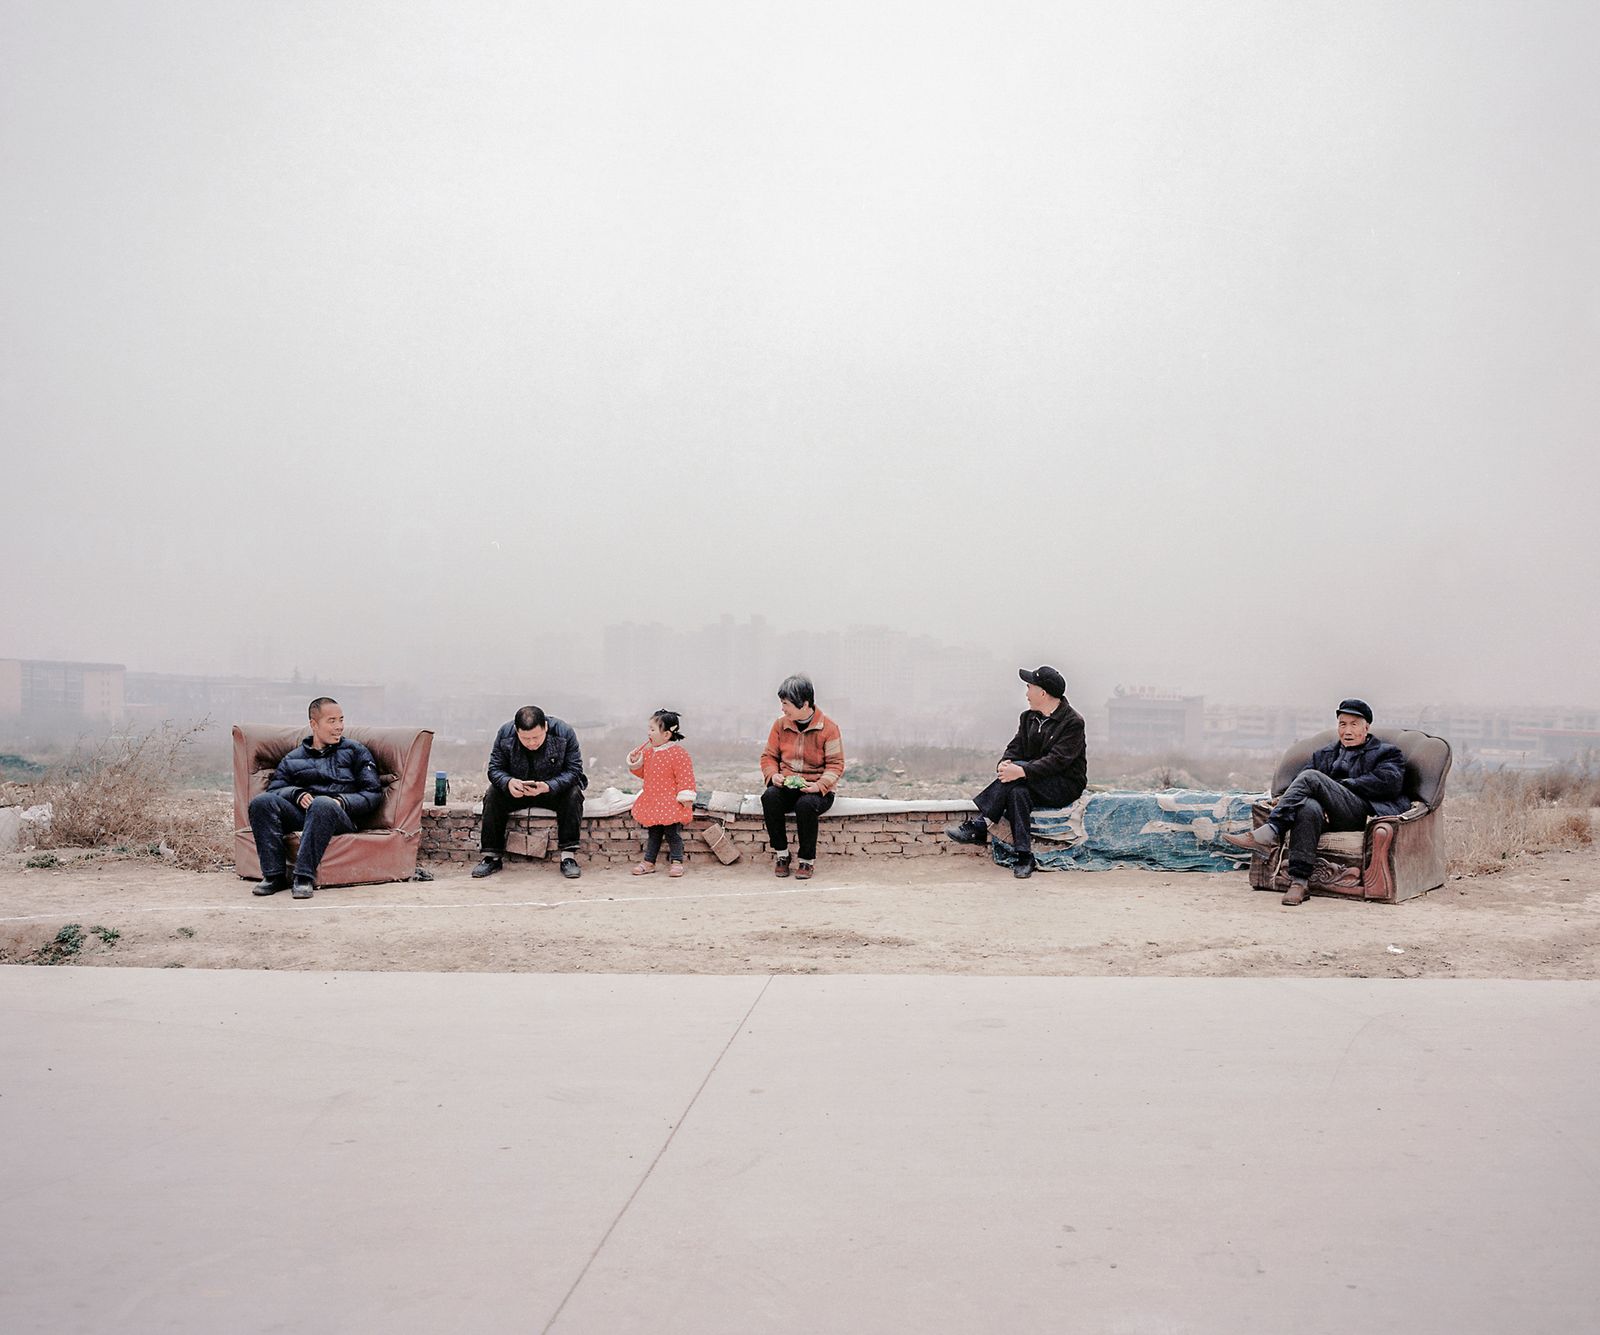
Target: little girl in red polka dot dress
column 667, row 802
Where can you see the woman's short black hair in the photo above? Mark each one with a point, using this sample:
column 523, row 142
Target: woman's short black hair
column 668, row 721
column 798, row 691
column 529, row 717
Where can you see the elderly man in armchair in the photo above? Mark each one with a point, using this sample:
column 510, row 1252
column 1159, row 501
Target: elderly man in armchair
column 1346, row 782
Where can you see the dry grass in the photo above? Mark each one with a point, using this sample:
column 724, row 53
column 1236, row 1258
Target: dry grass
column 1567, row 786
column 1507, row 815
column 17, row 794
column 122, row 795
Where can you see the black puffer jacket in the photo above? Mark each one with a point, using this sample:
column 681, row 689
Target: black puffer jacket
column 558, row 762
column 345, row 770
column 1375, row 771
column 1052, row 754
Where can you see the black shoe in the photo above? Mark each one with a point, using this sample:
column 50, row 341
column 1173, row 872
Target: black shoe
column 569, row 867
column 303, row 888
column 487, row 867
column 1024, row 867
column 270, row 885
column 969, row 832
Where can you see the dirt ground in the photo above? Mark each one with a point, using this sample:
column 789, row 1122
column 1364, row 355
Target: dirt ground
column 1540, row 919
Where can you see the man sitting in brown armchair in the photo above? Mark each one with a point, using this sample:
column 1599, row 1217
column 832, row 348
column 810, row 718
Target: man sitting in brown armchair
column 326, row 786
column 1344, row 784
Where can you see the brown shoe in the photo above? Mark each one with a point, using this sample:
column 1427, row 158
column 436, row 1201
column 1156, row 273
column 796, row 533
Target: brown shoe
column 780, row 866
column 1298, row 890
column 803, row 871
column 1262, row 839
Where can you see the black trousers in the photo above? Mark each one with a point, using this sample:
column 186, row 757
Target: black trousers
column 272, row 815
column 777, row 801
column 1013, row 802
column 1312, row 803
column 498, row 806
column 653, row 835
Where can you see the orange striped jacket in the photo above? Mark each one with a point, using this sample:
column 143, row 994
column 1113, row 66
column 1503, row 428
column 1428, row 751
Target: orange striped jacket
column 815, row 752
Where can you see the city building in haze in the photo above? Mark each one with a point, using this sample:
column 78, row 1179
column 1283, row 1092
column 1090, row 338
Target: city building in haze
column 45, row 693
column 1142, row 719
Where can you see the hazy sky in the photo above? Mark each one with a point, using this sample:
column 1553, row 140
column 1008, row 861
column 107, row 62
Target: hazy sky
column 1246, row 348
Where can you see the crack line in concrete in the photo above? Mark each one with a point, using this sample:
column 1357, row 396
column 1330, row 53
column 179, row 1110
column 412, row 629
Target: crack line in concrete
column 665, row 1146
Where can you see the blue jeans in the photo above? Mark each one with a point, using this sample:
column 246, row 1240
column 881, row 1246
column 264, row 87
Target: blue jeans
column 272, row 816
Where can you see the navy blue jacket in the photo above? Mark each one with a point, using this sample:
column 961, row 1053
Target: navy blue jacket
column 1375, row 771
column 345, row 770
column 558, row 762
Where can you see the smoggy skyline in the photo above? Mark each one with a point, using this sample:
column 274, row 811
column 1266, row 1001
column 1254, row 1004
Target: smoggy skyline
column 1236, row 349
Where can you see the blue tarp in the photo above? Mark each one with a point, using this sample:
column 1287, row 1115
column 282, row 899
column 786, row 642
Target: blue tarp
column 1177, row 829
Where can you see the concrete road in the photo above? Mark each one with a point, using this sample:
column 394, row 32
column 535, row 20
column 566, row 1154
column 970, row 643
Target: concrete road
column 241, row 1152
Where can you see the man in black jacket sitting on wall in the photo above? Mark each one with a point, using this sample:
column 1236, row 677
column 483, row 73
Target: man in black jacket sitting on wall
column 535, row 762
column 1347, row 781
column 1046, row 765
column 324, row 787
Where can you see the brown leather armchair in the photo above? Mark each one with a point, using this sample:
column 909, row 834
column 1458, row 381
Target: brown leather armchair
column 1394, row 857
column 385, row 849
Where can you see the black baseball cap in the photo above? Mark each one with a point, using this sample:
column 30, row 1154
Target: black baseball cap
column 1355, row 707
column 1046, row 678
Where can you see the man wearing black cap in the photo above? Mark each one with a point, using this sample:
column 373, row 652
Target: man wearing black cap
column 1046, row 765
column 1347, row 781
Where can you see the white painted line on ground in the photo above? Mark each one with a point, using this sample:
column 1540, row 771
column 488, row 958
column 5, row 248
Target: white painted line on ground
column 328, row 904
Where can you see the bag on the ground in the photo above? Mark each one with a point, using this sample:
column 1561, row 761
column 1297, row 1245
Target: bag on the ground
column 716, row 839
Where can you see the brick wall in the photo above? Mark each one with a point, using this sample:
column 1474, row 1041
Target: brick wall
column 450, row 834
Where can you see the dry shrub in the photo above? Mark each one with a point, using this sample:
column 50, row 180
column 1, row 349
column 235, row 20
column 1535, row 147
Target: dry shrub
column 1507, row 816
column 1567, row 785
column 123, row 792
column 1568, row 827
column 17, row 795
column 199, row 830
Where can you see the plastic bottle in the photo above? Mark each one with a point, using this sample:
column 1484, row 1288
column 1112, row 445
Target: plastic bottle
column 441, row 788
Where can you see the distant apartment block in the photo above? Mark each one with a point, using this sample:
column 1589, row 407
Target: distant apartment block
column 228, row 700
column 1518, row 735
column 1142, row 719
column 882, row 682
column 1523, row 736
column 36, row 691
column 1261, row 728
column 1580, row 746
